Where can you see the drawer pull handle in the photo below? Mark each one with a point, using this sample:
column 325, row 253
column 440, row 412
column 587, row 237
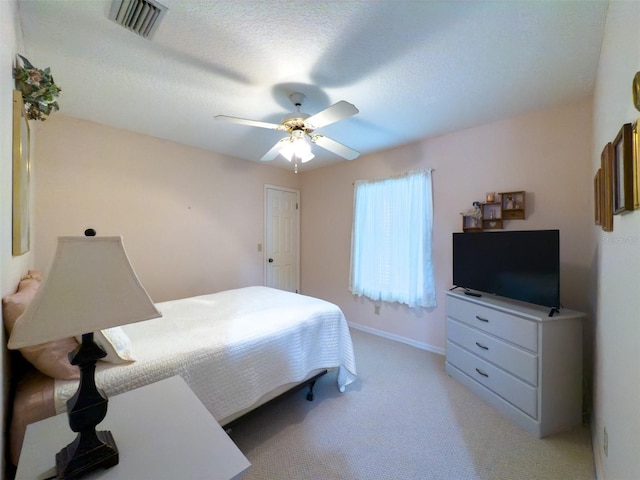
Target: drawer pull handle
column 482, row 373
column 482, row 319
column 482, row 346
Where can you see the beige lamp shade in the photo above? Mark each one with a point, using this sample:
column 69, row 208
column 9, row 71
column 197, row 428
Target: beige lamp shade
column 91, row 286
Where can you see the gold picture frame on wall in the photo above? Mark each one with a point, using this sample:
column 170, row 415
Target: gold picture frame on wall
column 636, row 164
column 623, row 170
column 597, row 197
column 21, row 177
column 606, row 166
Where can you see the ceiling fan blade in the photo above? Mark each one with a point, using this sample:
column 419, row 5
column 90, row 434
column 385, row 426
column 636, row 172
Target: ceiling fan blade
column 253, row 123
column 335, row 147
column 332, row 114
column 275, row 150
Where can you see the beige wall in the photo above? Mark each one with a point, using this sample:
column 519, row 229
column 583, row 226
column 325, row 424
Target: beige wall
column 617, row 261
column 191, row 220
column 545, row 153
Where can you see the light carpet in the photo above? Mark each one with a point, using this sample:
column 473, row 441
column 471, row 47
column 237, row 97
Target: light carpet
column 404, row 418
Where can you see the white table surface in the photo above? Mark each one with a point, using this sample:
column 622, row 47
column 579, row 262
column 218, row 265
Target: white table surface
column 162, row 431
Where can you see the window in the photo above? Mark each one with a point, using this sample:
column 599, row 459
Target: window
column 391, row 240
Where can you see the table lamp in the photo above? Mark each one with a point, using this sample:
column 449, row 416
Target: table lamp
column 91, row 286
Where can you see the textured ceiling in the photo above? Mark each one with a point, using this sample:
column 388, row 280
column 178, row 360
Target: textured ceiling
column 414, row 69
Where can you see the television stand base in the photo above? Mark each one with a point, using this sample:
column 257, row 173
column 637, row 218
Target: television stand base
column 533, row 363
column 553, row 311
column 472, row 294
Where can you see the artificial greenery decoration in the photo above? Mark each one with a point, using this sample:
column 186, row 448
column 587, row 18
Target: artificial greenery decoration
column 39, row 91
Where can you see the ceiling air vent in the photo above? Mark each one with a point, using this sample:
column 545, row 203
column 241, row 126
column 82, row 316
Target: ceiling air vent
column 139, row 16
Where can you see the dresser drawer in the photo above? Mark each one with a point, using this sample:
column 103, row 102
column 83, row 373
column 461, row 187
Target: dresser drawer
column 519, row 362
column 516, row 392
column 509, row 327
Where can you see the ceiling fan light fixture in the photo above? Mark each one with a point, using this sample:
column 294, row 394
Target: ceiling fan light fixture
column 298, row 148
column 306, row 158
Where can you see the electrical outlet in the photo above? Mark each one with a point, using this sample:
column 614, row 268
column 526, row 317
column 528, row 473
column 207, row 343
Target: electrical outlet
column 376, row 309
column 605, row 442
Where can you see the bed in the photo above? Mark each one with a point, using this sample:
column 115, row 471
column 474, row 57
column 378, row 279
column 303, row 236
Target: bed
column 236, row 349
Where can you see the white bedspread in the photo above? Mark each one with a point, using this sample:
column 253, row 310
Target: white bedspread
column 231, row 347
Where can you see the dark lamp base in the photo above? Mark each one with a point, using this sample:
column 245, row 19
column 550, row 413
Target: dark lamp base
column 90, row 450
column 86, row 454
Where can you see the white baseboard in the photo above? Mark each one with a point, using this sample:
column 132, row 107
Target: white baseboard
column 397, row 338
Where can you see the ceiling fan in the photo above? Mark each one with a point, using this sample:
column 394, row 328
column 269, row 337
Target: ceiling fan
column 301, row 127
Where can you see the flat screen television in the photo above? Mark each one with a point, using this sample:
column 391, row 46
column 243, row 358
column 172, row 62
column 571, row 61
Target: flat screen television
column 522, row 265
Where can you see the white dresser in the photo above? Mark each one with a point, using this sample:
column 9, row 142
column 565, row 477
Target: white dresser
column 518, row 358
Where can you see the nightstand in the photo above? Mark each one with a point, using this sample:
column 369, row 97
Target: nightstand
column 162, row 430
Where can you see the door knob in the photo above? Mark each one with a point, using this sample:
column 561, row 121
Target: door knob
column 271, row 260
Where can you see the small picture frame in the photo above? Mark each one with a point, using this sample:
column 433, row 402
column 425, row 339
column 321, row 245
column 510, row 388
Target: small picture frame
column 606, row 192
column 597, row 197
column 623, row 170
column 636, row 165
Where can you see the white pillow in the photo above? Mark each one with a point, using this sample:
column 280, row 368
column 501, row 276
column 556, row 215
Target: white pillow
column 116, row 343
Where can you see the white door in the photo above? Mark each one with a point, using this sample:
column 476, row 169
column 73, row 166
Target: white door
column 282, row 238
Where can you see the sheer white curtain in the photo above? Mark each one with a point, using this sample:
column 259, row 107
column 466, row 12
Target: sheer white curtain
column 391, row 240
